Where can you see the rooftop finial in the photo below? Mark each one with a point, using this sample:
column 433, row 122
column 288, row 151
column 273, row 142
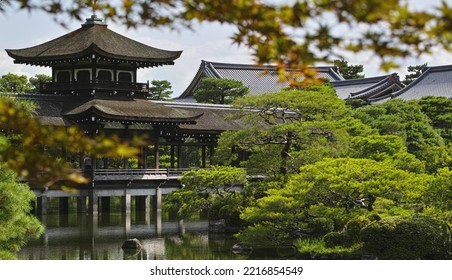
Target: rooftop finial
column 93, row 20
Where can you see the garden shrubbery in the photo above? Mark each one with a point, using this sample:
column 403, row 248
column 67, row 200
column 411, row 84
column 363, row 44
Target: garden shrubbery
column 408, row 238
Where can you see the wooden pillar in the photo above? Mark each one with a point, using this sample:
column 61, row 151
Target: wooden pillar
column 93, row 199
column 93, row 165
column 156, row 154
column 127, row 218
column 203, row 157
column 144, row 157
column 42, row 205
column 179, row 156
column 158, row 211
column 172, row 156
column 126, row 212
column 147, row 210
column 211, row 152
column 126, row 202
column 73, row 74
column 181, row 227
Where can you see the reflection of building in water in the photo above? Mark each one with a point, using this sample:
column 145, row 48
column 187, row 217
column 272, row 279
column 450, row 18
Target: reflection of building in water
column 85, row 237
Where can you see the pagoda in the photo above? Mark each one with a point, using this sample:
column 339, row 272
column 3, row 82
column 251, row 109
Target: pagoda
column 94, row 86
column 93, row 60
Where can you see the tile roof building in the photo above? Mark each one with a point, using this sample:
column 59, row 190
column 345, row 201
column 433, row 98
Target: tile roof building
column 434, row 81
column 265, row 79
column 94, row 86
column 367, row 88
column 259, row 79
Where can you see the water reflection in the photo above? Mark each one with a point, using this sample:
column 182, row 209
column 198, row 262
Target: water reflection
column 88, row 237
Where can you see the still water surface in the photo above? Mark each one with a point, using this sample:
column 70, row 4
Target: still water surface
column 84, row 237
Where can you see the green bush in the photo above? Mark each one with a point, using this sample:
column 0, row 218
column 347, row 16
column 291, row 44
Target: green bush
column 263, row 236
column 354, row 226
column 227, row 208
column 318, row 249
column 350, row 235
column 320, row 226
column 337, row 239
column 408, row 238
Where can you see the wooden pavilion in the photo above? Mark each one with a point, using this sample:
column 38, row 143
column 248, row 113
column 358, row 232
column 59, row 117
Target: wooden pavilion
column 95, row 86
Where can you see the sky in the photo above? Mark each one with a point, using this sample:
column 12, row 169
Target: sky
column 209, row 41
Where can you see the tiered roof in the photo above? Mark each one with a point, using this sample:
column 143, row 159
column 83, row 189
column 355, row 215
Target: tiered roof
column 63, row 111
column 93, row 38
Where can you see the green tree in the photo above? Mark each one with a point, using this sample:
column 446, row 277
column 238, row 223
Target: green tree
column 413, row 73
column 438, row 197
column 385, row 148
column 349, row 71
column 268, row 28
column 335, row 189
column 37, row 80
column 289, row 127
column 12, row 83
column 160, row 90
column 406, row 119
column 219, row 91
column 17, row 225
column 215, row 190
column 439, row 110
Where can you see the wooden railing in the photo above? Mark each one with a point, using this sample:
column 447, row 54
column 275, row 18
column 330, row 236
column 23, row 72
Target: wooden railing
column 138, row 174
column 75, row 86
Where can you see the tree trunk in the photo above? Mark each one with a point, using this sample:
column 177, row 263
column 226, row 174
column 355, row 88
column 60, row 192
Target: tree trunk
column 285, row 154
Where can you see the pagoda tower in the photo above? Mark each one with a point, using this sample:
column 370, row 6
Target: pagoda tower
column 93, row 60
column 94, row 86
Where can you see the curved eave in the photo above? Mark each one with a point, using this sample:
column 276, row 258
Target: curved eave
column 90, row 39
column 103, row 116
column 391, row 82
column 425, row 73
column 87, row 55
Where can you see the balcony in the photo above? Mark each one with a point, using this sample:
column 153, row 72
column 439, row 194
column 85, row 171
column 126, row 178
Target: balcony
column 138, row 174
column 93, row 86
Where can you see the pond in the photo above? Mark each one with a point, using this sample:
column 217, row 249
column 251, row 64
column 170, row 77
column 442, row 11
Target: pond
column 84, row 237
